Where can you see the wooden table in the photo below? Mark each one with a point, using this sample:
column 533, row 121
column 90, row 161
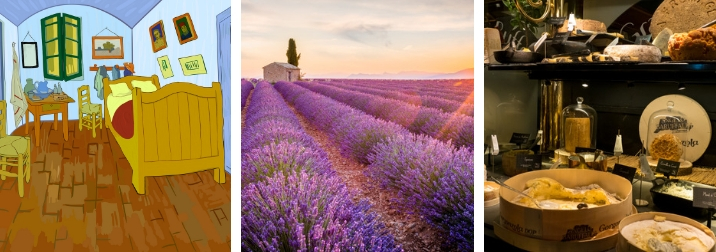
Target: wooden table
column 45, row 107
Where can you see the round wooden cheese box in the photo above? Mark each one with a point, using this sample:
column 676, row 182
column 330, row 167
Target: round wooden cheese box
column 699, row 133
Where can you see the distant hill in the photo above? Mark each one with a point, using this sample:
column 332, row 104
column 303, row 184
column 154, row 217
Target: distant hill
column 462, row 74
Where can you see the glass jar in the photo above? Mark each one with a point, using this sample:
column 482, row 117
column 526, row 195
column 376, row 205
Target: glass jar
column 510, row 119
column 579, row 127
column 668, row 127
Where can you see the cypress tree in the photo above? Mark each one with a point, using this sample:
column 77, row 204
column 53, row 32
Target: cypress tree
column 291, row 53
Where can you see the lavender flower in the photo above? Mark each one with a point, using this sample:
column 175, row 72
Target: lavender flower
column 283, row 158
column 308, row 213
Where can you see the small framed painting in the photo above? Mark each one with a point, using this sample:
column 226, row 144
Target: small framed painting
column 107, row 47
column 159, row 38
column 185, row 28
column 29, row 55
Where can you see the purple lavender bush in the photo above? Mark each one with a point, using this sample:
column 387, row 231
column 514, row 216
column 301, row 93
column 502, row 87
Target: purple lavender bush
column 393, row 158
column 257, row 137
column 360, row 135
column 308, row 213
column 434, row 176
column 356, row 132
column 430, row 121
column 283, row 158
column 246, row 88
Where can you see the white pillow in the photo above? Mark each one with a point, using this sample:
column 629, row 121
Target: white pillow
column 145, row 86
column 119, row 89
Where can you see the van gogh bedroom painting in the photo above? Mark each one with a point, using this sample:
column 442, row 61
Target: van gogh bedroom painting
column 115, row 125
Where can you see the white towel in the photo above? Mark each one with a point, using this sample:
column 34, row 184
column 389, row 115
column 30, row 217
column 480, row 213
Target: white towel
column 18, row 98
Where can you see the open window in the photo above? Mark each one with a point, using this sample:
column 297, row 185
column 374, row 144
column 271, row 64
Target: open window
column 62, row 47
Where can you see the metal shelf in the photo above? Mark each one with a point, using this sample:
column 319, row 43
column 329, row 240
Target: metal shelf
column 683, row 72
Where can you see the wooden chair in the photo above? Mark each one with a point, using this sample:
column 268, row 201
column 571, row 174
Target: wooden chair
column 90, row 113
column 14, row 151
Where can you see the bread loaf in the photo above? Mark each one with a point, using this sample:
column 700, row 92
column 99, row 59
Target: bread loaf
column 698, row 44
column 640, row 53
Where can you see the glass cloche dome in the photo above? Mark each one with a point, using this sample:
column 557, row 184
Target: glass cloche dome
column 579, row 127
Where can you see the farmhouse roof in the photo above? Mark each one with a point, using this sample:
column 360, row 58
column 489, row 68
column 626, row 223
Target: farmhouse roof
column 284, row 65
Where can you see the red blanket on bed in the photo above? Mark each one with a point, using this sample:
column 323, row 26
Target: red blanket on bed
column 123, row 120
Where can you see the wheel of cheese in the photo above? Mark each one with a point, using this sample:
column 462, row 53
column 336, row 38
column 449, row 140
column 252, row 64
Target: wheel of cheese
column 640, row 53
column 682, row 15
column 584, row 24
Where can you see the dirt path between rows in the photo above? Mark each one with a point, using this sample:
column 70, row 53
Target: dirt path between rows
column 410, row 231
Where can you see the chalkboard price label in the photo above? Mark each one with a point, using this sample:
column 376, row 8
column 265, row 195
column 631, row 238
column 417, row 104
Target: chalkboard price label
column 704, row 197
column 528, row 163
column 519, row 138
column 584, row 150
column 668, row 167
column 556, row 20
column 624, row 171
column 560, row 38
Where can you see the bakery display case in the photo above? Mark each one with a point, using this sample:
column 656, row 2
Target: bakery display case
column 647, row 74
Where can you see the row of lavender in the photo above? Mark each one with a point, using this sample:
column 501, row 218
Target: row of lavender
column 246, row 87
column 457, row 90
column 433, row 122
column 447, row 106
column 291, row 198
column 428, row 173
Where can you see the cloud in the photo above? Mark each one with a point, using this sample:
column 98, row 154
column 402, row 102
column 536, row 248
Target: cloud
column 407, row 47
column 369, row 34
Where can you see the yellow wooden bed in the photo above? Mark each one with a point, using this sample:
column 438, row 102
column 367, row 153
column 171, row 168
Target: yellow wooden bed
column 177, row 128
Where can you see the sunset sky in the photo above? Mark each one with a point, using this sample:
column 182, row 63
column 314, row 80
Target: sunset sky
column 337, row 38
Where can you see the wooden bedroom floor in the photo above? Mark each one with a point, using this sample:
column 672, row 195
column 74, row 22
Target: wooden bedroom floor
column 80, row 198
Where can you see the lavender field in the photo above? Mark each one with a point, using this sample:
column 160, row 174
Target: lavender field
column 357, row 165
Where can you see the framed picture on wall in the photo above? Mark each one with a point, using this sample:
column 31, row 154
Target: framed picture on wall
column 29, row 54
column 107, row 47
column 159, row 38
column 185, row 28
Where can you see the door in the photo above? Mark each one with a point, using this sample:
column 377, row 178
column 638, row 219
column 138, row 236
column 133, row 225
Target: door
column 223, row 28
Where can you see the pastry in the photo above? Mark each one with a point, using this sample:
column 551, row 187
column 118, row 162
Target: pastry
column 666, row 146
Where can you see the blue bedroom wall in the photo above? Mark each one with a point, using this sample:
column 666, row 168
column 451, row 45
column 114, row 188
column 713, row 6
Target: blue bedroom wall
column 94, row 21
column 9, row 35
column 203, row 15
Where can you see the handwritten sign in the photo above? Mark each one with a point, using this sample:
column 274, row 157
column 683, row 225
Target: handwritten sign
column 560, row 38
column 704, row 197
column 193, row 65
column 519, row 138
column 528, row 163
column 624, row 171
column 667, row 167
column 584, row 149
column 556, row 20
column 165, row 67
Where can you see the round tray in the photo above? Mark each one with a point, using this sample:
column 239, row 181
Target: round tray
column 605, row 243
column 697, row 116
column 624, row 245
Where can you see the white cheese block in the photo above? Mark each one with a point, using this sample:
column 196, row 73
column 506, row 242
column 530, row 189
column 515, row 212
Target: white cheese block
column 492, row 44
column 639, row 53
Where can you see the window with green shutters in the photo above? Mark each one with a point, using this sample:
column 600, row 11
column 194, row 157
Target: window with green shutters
column 62, row 47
